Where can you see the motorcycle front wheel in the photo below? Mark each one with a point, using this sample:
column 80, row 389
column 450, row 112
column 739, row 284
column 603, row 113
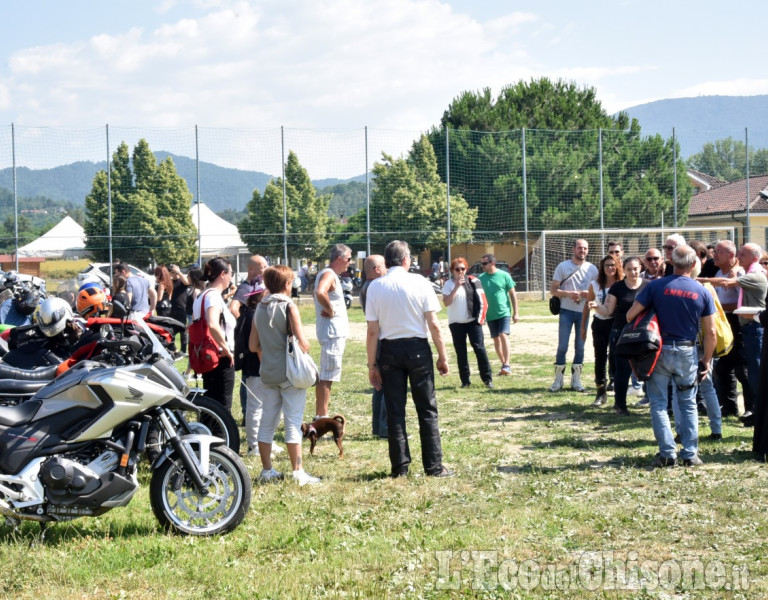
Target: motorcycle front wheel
column 214, row 419
column 181, row 508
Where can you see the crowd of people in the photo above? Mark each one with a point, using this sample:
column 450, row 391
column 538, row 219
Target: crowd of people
column 684, row 290
column 250, row 323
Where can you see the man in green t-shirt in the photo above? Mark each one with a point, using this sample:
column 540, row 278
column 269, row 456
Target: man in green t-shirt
column 499, row 290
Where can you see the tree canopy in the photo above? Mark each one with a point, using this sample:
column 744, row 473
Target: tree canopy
column 564, row 127
column 408, row 201
column 151, row 220
column 726, row 159
column 307, row 219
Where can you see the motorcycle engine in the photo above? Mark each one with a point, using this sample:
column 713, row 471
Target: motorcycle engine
column 59, row 473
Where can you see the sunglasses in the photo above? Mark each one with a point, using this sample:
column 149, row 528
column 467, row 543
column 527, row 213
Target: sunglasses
column 457, row 269
column 669, row 247
column 653, row 258
column 610, row 266
column 764, row 262
column 614, row 251
column 485, row 264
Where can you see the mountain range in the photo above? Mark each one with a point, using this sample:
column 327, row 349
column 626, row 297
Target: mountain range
column 695, row 120
column 705, row 119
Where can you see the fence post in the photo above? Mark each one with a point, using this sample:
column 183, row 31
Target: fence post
column 285, row 200
column 109, row 202
column 367, row 198
column 15, row 196
column 525, row 216
column 748, row 224
column 543, row 265
column 448, row 192
column 602, row 197
column 674, row 172
column 197, row 193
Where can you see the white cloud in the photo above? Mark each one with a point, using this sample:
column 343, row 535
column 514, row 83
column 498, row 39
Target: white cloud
column 733, row 87
column 329, row 64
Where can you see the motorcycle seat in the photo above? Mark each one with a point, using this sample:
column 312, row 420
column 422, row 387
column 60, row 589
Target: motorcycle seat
column 38, row 374
column 14, row 387
column 12, row 416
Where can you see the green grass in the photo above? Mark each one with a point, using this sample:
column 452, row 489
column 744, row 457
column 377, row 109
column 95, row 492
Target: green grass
column 540, row 477
column 62, row 269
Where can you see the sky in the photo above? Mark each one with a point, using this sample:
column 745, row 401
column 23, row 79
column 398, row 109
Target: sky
column 346, row 64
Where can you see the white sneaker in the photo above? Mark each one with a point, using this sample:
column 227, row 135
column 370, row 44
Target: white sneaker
column 277, row 449
column 304, row 478
column 271, row 475
column 635, row 391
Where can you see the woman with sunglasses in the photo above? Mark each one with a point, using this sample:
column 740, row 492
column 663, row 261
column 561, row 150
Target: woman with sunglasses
column 609, row 272
column 458, row 294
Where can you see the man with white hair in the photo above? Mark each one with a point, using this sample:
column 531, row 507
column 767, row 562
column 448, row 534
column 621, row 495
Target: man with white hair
column 670, row 244
column 732, row 367
column 752, row 286
column 680, row 304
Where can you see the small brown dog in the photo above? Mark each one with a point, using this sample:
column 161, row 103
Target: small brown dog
column 319, row 427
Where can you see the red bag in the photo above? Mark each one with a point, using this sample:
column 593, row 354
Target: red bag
column 203, row 349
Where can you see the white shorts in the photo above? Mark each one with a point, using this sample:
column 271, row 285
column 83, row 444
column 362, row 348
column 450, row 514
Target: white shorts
column 331, row 353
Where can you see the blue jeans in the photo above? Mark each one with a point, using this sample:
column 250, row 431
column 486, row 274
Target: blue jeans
column 752, row 334
column 707, row 389
column 569, row 320
column 677, row 364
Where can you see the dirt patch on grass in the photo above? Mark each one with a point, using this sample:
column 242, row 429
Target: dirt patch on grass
column 531, row 335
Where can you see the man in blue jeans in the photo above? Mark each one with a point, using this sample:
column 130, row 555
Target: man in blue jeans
column 680, row 304
column 570, row 283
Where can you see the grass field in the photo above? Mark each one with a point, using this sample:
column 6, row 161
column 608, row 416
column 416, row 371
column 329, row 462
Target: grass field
column 552, row 499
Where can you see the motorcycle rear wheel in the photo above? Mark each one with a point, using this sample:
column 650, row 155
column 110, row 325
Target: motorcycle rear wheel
column 214, row 419
column 180, row 508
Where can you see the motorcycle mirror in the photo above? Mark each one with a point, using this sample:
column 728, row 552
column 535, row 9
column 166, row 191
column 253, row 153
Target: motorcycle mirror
column 105, row 332
column 120, row 306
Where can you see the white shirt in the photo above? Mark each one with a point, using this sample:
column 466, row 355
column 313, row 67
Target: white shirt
column 398, row 301
column 579, row 281
column 600, row 296
column 458, row 311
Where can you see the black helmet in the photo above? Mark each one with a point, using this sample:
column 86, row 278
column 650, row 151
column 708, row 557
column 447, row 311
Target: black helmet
column 26, row 301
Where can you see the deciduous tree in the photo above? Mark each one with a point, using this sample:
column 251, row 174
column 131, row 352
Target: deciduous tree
column 306, row 217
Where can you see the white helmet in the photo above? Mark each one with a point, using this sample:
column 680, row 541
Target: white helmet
column 52, row 316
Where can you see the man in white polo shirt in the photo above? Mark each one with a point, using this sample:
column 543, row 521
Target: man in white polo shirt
column 400, row 308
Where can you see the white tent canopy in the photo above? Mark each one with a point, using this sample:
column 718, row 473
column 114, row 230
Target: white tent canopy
column 66, row 239
column 217, row 236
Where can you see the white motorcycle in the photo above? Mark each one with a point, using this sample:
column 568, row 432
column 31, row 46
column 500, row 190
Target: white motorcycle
column 73, row 449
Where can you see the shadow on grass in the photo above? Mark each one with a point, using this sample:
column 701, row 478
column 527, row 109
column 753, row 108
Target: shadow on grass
column 598, row 416
column 643, row 462
column 56, row 534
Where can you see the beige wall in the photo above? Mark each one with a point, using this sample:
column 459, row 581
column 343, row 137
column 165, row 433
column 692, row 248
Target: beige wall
column 511, row 253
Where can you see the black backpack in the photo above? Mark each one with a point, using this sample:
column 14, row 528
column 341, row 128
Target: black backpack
column 242, row 333
column 640, row 343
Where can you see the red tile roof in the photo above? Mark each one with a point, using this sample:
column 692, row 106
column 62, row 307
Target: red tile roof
column 711, row 181
column 731, row 197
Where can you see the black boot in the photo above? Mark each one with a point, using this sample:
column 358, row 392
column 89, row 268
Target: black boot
column 601, row 396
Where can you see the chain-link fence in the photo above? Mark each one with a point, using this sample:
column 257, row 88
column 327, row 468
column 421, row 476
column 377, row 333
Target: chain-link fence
column 465, row 193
